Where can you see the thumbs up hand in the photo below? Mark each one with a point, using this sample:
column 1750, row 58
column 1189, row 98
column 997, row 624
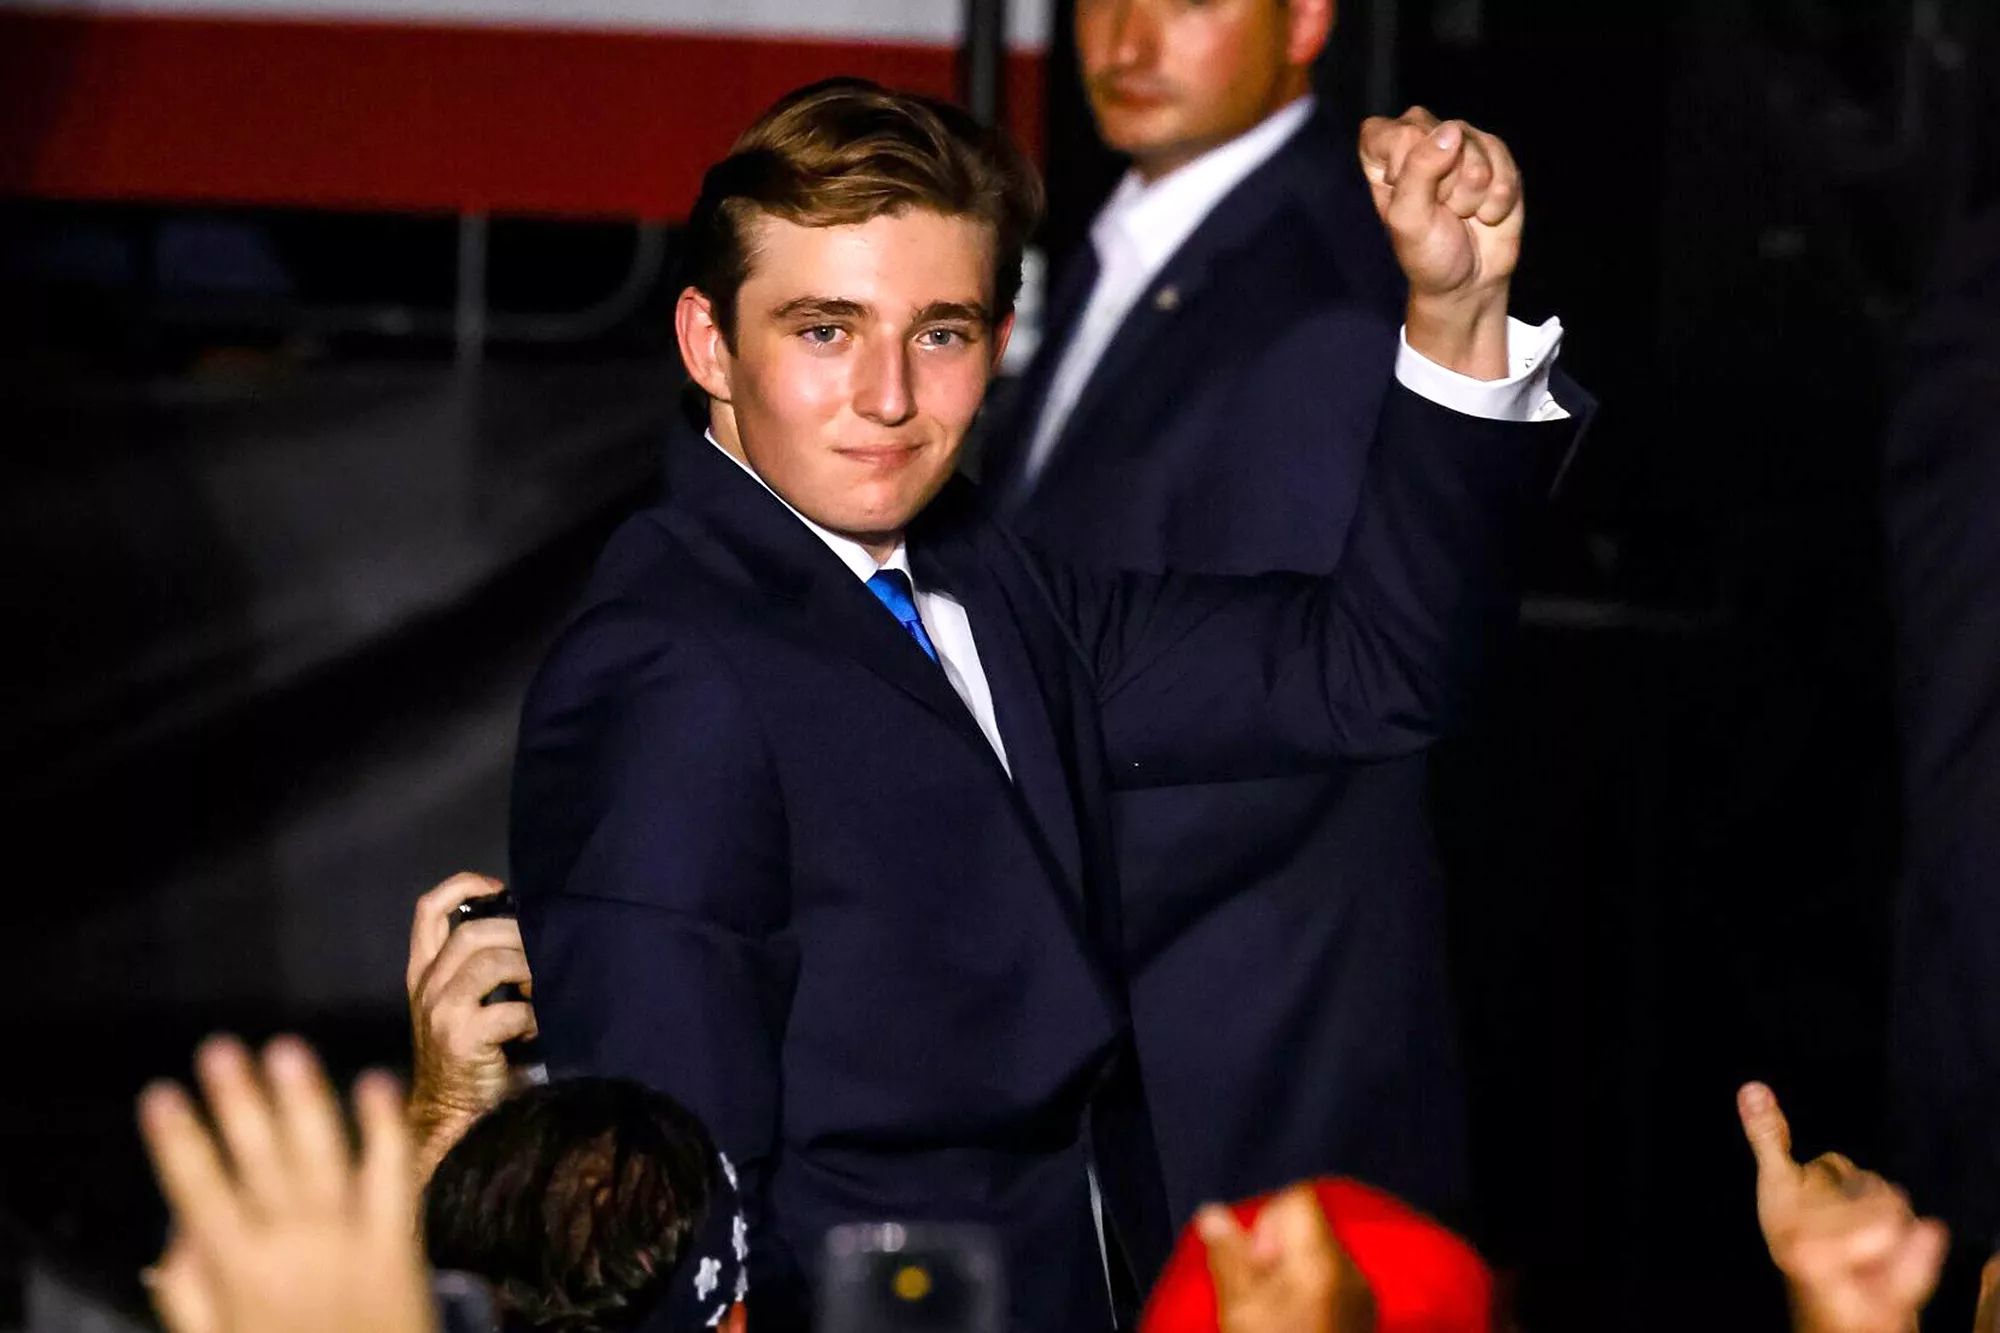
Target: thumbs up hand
column 1855, row 1256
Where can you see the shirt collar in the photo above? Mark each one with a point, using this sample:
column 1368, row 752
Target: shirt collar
column 1151, row 221
column 852, row 553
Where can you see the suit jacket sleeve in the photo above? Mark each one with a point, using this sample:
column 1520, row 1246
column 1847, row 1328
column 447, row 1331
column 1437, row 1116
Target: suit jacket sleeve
column 1209, row 679
column 649, row 858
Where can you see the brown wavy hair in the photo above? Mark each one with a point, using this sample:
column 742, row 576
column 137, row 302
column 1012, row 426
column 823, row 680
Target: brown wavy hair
column 845, row 151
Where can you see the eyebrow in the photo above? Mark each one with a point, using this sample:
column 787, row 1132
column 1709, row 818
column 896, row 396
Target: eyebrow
column 835, row 307
column 970, row 311
column 840, row 307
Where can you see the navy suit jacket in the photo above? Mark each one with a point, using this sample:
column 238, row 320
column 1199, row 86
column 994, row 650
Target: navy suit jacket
column 768, row 862
column 1227, row 431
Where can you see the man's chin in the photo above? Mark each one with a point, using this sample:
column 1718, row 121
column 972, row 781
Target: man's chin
column 1133, row 132
column 869, row 523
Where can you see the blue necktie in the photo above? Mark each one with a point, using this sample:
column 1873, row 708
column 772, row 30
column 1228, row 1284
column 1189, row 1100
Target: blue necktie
column 892, row 588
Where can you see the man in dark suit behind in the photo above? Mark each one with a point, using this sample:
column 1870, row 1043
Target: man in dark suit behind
column 810, row 823
column 1203, row 399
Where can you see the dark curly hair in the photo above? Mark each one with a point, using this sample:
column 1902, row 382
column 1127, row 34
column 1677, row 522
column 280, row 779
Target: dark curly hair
column 575, row 1201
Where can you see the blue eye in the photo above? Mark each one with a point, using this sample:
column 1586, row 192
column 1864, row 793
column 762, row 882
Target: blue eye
column 821, row 335
column 941, row 337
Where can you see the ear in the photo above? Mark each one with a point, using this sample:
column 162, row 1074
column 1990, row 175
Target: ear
column 1001, row 333
column 1309, row 26
column 703, row 349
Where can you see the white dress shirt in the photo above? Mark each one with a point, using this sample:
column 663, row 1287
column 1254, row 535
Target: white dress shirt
column 1143, row 225
column 943, row 615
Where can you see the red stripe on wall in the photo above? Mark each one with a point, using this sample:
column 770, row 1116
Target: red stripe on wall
column 395, row 117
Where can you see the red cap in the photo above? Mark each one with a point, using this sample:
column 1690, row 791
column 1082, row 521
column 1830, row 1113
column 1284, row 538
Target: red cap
column 1425, row 1279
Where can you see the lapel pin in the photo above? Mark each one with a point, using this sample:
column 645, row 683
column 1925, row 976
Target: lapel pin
column 1167, row 299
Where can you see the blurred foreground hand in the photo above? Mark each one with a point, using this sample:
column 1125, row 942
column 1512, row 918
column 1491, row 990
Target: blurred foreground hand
column 1285, row 1273
column 277, row 1227
column 1856, row 1258
column 458, row 1042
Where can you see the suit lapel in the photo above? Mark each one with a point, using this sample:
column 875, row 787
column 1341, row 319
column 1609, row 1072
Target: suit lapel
column 1007, row 454
column 956, row 560
column 1152, row 316
column 715, row 503
column 1306, row 171
column 842, row 611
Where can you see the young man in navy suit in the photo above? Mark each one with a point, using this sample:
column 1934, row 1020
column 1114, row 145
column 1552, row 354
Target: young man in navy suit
column 1204, row 399
column 811, row 823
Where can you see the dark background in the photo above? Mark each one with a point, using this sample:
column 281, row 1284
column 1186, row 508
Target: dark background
column 276, row 568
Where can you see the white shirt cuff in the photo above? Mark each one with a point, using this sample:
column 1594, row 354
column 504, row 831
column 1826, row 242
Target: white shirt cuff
column 1523, row 396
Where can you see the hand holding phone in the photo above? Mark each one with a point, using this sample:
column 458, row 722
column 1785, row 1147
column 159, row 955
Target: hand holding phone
column 472, row 1020
column 499, row 904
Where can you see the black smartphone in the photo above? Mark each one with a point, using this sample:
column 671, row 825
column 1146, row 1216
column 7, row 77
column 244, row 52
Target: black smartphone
column 478, row 909
column 915, row 1277
column 485, row 905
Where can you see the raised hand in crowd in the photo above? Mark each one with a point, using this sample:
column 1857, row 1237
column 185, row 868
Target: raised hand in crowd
column 459, row 1060
column 1285, row 1272
column 1856, row 1258
column 1450, row 196
column 277, row 1225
